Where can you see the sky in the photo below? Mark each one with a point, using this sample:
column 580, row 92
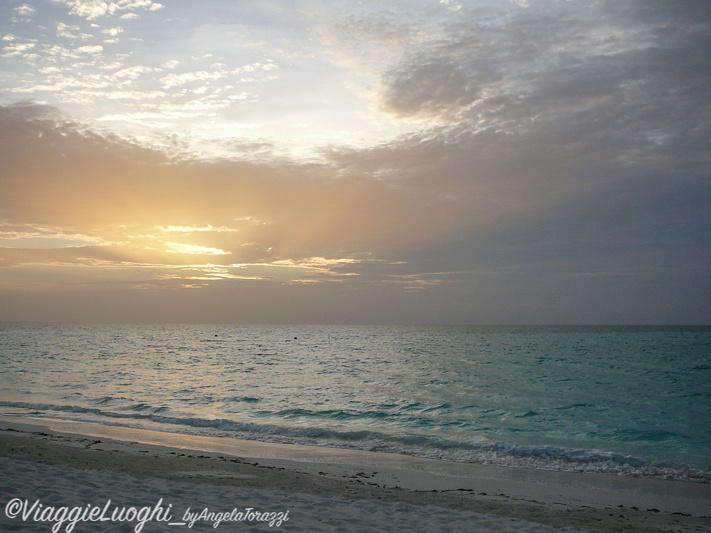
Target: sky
column 356, row 162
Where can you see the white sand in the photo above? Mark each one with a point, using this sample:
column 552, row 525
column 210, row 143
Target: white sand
column 63, row 486
column 322, row 489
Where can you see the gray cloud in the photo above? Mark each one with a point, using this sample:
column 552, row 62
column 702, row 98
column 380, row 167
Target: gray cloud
column 591, row 66
column 561, row 99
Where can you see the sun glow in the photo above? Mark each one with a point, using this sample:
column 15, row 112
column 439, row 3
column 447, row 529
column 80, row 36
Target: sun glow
column 178, row 248
column 195, row 229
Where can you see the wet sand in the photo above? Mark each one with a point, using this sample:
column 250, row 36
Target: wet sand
column 70, row 464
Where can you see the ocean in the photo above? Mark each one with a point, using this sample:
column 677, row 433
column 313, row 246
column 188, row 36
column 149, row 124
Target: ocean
column 633, row 401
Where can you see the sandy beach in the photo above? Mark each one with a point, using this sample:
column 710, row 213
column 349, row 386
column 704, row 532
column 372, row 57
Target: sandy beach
column 198, row 482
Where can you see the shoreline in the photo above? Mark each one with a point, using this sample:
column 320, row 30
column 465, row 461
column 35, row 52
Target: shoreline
column 584, row 502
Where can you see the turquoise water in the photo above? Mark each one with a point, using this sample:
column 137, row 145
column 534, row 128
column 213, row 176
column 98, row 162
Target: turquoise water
column 633, row 401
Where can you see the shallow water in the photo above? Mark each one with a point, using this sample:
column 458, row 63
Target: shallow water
column 635, row 401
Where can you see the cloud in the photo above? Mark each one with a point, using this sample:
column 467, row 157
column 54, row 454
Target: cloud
column 177, row 80
column 366, row 43
column 131, row 73
column 90, row 49
column 546, row 66
column 190, row 229
column 94, row 9
column 19, row 50
column 92, row 183
column 429, row 89
column 71, row 32
column 555, row 88
column 192, row 249
column 553, row 166
column 89, row 9
column 35, row 236
column 24, row 12
column 113, row 32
